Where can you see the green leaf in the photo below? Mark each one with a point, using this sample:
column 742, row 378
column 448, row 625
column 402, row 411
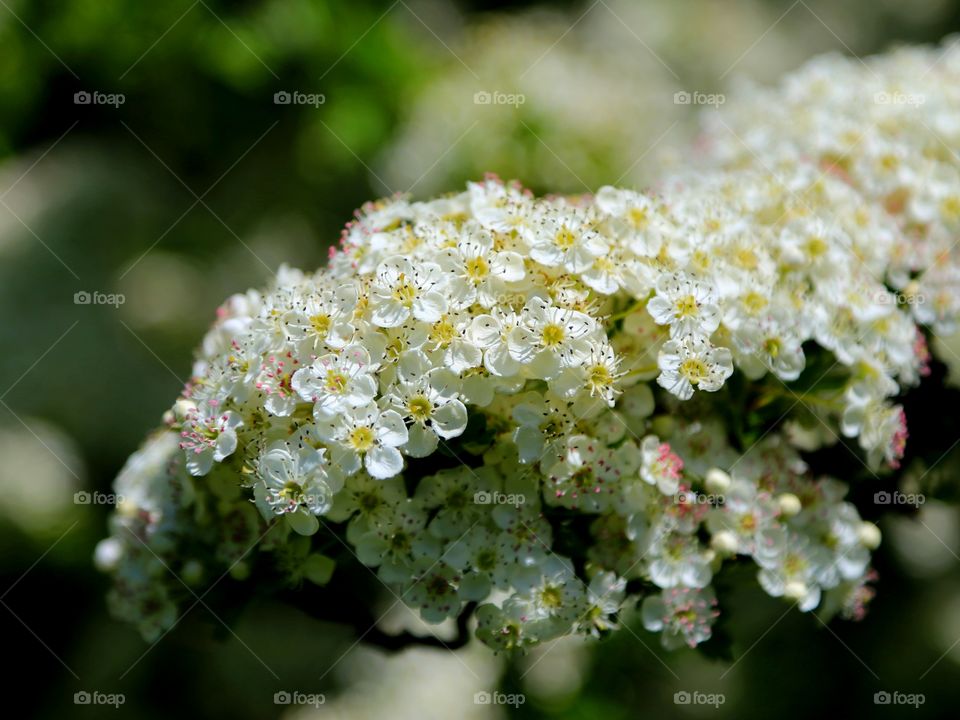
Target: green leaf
column 318, row 568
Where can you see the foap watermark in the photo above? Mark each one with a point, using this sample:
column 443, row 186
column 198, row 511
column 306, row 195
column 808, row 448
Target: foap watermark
column 684, row 97
column 83, row 297
column 900, row 298
column 486, row 497
column 692, row 497
column 498, row 698
column 685, row 697
column 295, row 697
column 899, row 98
column 485, row 97
column 899, row 698
column 84, row 97
column 898, row 498
column 95, row 697
column 295, row 97
column 96, row 497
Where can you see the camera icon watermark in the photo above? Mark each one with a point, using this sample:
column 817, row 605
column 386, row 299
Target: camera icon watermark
column 84, row 497
column 896, row 497
column 295, row 697
column 685, row 97
column 685, row 697
column 485, row 697
column 95, row 697
column 494, row 497
column 83, row 297
column 84, row 97
column 284, row 97
column 496, row 97
column 899, row 698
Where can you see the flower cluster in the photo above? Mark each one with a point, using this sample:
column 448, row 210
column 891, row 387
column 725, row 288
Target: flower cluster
column 475, row 377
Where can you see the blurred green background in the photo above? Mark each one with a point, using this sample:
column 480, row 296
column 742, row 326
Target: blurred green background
column 201, row 182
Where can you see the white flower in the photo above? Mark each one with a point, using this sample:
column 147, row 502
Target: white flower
column 337, row 382
column 683, row 615
column 659, row 465
column 209, row 435
column 686, row 305
column 692, row 363
column 566, row 239
column 365, row 433
column 401, row 289
column 792, row 566
column 324, row 319
column 480, row 273
column 492, row 333
column 677, row 559
column 430, row 403
column 549, row 338
column 294, row 482
column 770, row 345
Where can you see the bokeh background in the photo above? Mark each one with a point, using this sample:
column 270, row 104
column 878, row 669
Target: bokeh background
column 186, row 178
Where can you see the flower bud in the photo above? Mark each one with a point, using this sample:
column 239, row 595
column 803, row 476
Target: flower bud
column 724, row 542
column 107, row 554
column 717, row 481
column 795, row 590
column 869, row 535
column 182, row 408
column 789, row 504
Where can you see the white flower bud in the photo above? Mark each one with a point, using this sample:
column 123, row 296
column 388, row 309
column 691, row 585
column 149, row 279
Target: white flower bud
column 717, row 481
column 724, row 542
column 182, row 408
column 869, row 535
column 795, row 590
column 789, row 504
column 107, row 554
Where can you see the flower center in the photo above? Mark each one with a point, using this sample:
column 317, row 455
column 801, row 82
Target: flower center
column 361, row 439
column 404, row 292
column 443, row 332
column 600, row 377
column 754, row 302
column 320, row 324
column 336, row 382
column 552, row 335
column 477, row 268
column 637, row 217
column 694, row 370
column 794, row 564
column 551, row 597
column 291, row 491
column 816, row 246
column 686, row 306
column 565, row 238
column 420, row 407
